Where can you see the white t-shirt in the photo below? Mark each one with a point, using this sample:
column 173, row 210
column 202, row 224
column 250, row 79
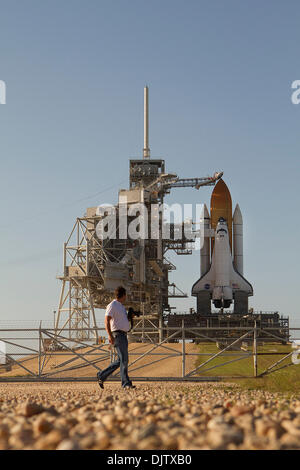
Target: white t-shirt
column 118, row 313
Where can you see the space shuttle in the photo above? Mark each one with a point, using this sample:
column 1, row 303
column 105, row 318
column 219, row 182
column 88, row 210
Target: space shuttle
column 222, row 282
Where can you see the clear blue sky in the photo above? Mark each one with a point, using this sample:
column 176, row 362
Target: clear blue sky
column 220, row 77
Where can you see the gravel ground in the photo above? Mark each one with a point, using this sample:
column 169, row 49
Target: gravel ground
column 165, row 416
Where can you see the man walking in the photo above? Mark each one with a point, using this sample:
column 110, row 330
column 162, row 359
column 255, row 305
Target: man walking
column 117, row 325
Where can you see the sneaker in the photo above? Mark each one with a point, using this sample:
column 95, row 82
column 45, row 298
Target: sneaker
column 100, row 382
column 129, row 386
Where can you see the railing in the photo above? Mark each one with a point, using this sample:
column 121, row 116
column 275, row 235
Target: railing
column 41, row 354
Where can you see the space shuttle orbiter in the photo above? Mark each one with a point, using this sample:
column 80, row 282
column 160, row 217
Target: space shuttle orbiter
column 222, row 281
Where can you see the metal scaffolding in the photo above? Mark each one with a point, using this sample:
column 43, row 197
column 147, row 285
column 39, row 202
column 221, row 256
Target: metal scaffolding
column 93, row 266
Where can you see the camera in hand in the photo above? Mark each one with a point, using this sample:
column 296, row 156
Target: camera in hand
column 131, row 314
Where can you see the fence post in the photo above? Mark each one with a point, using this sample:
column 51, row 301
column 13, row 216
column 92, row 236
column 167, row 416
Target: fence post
column 183, row 348
column 255, row 349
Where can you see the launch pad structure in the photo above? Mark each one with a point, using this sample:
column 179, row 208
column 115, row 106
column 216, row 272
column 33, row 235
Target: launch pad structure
column 93, row 265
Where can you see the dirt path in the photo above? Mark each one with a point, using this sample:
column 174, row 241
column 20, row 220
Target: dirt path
column 163, row 361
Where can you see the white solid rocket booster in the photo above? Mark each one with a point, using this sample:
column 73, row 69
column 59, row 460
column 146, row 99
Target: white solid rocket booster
column 205, row 248
column 237, row 223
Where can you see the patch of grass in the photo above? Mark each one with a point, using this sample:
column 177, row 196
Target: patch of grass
column 283, row 380
column 285, row 377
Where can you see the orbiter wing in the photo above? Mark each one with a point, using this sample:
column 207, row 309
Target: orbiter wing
column 237, row 282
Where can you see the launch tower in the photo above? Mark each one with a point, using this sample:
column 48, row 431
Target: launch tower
column 93, row 267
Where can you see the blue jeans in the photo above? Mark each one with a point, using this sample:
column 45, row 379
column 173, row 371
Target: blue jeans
column 121, row 345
